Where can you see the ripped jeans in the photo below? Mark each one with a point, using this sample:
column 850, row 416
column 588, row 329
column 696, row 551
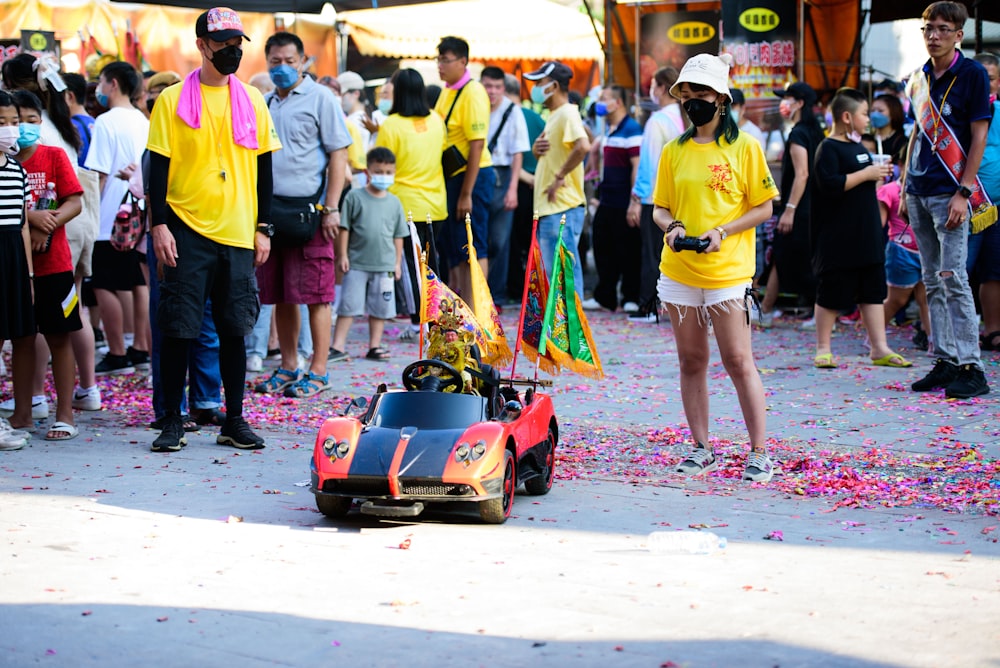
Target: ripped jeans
column 954, row 323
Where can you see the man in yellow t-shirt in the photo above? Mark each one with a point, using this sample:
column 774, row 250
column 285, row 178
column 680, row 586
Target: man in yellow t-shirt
column 465, row 108
column 560, row 151
column 210, row 144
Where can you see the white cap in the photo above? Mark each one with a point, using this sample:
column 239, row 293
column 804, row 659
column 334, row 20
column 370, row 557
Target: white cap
column 707, row 70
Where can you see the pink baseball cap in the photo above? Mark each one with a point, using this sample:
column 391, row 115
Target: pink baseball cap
column 219, row 24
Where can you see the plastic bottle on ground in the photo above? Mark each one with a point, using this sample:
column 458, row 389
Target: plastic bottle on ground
column 685, row 542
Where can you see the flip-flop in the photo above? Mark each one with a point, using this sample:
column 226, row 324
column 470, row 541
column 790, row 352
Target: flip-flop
column 894, row 360
column 66, row 431
column 308, row 386
column 824, row 361
column 378, row 354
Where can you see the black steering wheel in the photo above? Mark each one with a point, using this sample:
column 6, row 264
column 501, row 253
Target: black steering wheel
column 452, row 377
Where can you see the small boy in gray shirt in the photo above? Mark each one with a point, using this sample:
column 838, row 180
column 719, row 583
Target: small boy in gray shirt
column 370, row 253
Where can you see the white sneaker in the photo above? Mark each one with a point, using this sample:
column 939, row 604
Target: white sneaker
column 8, row 442
column 767, row 319
column 255, row 363
column 649, row 318
column 39, row 408
column 592, row 305
column 87, row 400
column 630, row 307
column 8, row 432
column 809, row 324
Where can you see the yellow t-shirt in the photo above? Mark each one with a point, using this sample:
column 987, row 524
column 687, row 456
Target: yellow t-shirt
column 222, row 209
column 419, row 183
column 705, row 186
column 469, row 121
column 357, row 158
column 563, row 129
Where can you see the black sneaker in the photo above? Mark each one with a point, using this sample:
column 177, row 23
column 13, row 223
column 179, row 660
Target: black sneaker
column 172, row 438
column 114, row 364
column 237, row 433
column 138, row 358
column 971, row 382
column 942, row 375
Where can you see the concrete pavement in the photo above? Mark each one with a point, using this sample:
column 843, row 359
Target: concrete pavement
column 114, row 555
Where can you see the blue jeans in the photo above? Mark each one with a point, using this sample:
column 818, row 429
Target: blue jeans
column 257, row 339
column 548, row 235
column 205, row 380
column 954, row 323
column 500, row 224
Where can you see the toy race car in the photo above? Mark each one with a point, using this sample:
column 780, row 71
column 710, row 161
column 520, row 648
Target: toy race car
column 437, row 441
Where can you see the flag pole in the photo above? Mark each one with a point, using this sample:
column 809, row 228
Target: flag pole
column 524, row 297
column 420, row 308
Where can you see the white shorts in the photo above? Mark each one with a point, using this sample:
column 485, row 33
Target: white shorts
column 705, row 301
column 373, row 292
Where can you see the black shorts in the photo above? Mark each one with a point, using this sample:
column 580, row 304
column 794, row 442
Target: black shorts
column 57, row 305
column 846, row 288
column 17, row 315
column 114, row 269
column 205, row 269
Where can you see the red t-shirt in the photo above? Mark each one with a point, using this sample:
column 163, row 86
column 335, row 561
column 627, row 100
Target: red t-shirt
column 50, row 164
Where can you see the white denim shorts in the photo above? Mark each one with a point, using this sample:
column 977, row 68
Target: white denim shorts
column 704, row 301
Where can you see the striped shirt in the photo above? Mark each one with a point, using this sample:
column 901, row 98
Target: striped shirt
column 619, row 148
column 13, row 193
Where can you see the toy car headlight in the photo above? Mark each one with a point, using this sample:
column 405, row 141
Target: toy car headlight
column 334, row 448
column 329, row 445
column 462, row 452
column 343, row 447
column 478, row 450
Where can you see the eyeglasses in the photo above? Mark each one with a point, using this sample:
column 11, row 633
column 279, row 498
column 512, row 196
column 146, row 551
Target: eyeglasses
column 944, row 31
column 442, row 60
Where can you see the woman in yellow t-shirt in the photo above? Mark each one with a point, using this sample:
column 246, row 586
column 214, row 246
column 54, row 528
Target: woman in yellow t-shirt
column 713, row 188
column 415, row 135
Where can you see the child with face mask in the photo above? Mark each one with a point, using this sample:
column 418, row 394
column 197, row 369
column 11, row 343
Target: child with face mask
column 17, row 318
column 57, row 309
column 370, row 254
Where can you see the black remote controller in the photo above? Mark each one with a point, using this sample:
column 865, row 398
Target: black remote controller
column 691, row 243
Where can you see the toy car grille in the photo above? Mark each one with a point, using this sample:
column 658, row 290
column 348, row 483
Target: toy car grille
column 361, row 485
column 435, row 489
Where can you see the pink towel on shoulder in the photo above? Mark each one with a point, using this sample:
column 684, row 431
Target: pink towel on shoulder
column 244, row 116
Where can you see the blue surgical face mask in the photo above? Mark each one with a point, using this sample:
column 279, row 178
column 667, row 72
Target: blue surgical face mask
column 878, row 119
column 540, row 93
column 102, row 99
column 601, row 108
column 385, row 106
column 381, row 181
column 28, row 134
column 284, row 76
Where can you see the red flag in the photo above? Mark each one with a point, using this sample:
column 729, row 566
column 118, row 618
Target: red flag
column 536, row 291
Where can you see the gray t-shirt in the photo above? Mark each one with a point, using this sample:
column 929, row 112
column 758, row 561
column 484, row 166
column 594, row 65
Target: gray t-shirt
column 374, row 223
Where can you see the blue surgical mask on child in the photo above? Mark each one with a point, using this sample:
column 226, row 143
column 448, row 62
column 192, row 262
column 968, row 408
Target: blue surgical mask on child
column 878, row 119
column 28, row 134
column 381, row 181
column 385, row 106
column 283, row 76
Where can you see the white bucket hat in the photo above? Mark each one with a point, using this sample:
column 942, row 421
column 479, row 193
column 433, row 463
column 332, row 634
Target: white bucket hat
column 707, row 70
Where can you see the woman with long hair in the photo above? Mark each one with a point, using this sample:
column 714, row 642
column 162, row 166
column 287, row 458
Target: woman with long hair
column 713, row 188
column 887, row 123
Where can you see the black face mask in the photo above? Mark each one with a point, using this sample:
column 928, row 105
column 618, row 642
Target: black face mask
column 701, row 112
column 227, row 59
column 149, row 105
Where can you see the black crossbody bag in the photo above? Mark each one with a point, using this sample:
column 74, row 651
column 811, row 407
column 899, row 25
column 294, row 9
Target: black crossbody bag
column 452, row 160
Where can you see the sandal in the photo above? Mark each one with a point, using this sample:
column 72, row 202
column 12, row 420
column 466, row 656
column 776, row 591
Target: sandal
column 894, row 360
column 189, row 424
column 989, row 341
column 212, row 416
column 824, row 361
column 308, row 386
column 63, row 430
column 378, row 354
column 279, row 380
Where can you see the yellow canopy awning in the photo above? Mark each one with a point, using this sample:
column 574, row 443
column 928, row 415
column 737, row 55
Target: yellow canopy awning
column 494, row 29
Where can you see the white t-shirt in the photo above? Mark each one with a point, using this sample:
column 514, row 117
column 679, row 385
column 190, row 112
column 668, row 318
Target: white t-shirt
column 119, row 138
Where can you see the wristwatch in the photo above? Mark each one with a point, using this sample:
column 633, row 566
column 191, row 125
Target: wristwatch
column 965, row 191
column 267, row 230
column 722, row 233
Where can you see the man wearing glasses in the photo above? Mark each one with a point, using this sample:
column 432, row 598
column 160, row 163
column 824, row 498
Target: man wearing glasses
column 468, row 167
column 950, row 101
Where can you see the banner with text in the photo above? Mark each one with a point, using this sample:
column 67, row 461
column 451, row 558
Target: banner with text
column 670, row 38
column 761, row 37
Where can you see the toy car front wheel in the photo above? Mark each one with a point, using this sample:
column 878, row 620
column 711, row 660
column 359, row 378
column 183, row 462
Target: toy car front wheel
column 496, row 511
column 333, row 506
column 543, row 483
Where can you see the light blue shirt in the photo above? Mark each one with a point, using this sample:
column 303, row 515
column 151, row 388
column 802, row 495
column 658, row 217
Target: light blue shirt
column 989, row 168
column 310, row 125
column 664, row 125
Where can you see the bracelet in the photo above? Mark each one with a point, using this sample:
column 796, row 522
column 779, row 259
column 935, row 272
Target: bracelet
column 789, row 206
column 674, row 224
column 327, row 210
